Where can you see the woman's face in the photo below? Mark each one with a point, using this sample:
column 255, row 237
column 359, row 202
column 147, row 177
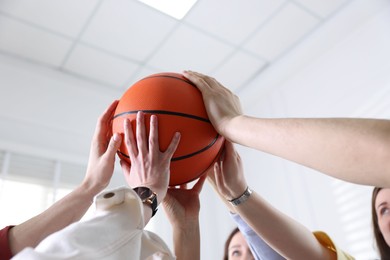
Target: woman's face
column 239, row 249
column 382, row 208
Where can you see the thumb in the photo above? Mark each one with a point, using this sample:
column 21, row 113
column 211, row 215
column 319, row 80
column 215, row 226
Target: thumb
column 113, row 146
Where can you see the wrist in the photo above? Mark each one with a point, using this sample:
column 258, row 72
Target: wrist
column 242, row 198
column 148, row 198
column 91, row 187
column 231, row 126
column 187, row 229
column 88, row 192
column 186, row 224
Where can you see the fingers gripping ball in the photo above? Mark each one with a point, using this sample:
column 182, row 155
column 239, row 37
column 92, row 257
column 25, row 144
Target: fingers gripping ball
column 179, row 107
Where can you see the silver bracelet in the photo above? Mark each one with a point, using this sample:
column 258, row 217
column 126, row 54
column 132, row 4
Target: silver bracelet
column 237, row 201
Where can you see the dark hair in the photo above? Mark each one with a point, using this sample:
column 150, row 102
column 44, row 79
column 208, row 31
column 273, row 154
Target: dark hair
column 226, row 252
column 383, row 247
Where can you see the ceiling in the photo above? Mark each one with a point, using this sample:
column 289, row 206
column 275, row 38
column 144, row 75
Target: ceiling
column 114, row 43
column 62, row 62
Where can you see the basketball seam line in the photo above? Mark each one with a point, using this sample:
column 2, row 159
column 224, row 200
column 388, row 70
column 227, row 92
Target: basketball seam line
column 163, row 112
column 187, row 155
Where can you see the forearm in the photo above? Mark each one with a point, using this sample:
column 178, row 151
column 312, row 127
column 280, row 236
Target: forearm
column 64, row 212
column 355, row 150
column 282, row 233
column 186, row 240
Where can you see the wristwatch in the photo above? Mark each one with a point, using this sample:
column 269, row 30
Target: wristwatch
column 242, row 198
column 147, row 196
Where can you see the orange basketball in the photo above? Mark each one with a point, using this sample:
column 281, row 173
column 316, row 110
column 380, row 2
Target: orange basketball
column 179, row 107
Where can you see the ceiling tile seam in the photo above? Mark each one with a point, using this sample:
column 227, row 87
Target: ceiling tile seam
column 206, row 33
column 240, row 48
column 232, row 53
column 251, row 78
column 157, row 11
column 151, row 55
column 63, row 36
column 104, row 85
column 321, row 23
column 28, row 60
column 266, row 21
column 307, row 10
column 285, row 53
column 108, row 52
column 235, row 47
column 77, row 39
column 14, row 56
column 35, row 26
column 191, row 10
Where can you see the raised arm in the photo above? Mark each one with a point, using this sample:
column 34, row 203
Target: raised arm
column 289, row 238
column 182, row 207
column 73, row 206
column 351, row 149
column 149, row 166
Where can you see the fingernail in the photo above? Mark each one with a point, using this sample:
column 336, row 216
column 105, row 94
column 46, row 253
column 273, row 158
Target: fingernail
column 116, row 137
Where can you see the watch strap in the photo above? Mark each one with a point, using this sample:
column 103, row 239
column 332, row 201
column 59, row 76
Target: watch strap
column 147, row 196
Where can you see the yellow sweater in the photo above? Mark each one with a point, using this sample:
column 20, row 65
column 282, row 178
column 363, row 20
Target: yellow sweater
column 327, row 242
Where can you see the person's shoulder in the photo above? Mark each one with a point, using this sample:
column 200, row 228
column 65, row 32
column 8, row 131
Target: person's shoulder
column 328, row 243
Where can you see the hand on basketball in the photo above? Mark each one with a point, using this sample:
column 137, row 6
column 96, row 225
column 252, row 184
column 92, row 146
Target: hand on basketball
column 228, row 176
column 102, row 154
column 182, row 205
column 149, row 166
column 221, row 104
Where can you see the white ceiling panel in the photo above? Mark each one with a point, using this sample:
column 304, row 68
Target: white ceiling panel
column 190, row 49
column 128, row 28
column 231, row 20
column 322, row 8
column 282, row 32
column 238, row 70
column 65, row 17
column 100, row 66
column 25, row 41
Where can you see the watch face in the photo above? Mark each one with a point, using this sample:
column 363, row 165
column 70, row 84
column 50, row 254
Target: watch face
column 147, row 196
column 144, row 192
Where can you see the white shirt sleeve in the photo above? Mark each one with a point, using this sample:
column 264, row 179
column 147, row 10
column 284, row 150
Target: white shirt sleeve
column 115, row 232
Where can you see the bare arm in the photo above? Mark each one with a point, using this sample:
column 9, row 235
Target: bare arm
column 354, row 150
column 182, row 207
column 73, row 206
column 351, row 149
column 285, row 235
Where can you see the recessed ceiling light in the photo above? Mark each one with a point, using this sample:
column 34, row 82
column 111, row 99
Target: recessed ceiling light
column 175, row 8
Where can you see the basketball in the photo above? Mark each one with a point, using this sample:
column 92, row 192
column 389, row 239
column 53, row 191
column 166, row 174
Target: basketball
column 179, row 107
